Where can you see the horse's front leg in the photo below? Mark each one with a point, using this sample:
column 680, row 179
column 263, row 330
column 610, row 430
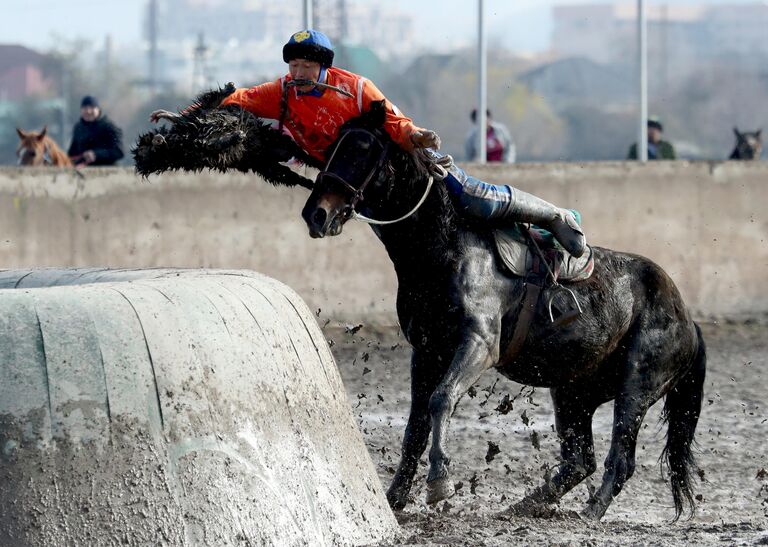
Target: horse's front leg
column 476, row 354
column 425, row 374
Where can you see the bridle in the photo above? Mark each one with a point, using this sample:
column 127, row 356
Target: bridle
column 358, row 193
column 47, row 160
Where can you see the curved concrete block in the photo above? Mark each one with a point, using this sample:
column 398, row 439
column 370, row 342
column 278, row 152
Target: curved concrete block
column 174, row 407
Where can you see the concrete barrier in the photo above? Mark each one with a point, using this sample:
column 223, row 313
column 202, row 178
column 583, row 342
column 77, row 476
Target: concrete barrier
column 176, row 408
column 705, row 223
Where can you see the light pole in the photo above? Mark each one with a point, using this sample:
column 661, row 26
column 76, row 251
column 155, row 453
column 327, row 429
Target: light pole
column 642, row 62
column 482, row 92
column 308, row 16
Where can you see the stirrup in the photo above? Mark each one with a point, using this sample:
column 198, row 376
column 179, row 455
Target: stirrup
column 568, row 316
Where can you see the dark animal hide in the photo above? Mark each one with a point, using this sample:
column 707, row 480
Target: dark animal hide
column 205, row 136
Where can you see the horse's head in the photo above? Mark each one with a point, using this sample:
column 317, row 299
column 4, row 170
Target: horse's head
column 749, row 144
column 31, row 149
column 358, row 172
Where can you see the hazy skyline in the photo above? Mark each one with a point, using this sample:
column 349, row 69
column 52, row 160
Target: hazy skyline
column 523, row 25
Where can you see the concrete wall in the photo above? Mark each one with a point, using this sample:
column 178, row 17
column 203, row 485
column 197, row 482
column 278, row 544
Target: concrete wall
column 705, row 223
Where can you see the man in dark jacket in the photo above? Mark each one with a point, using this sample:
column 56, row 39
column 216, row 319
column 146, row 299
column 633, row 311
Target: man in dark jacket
column 95, row 139
column 658, row 149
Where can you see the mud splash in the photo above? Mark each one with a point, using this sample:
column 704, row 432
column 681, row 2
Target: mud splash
column 731, row 489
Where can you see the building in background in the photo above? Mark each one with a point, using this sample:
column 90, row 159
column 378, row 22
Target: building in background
column 681, row 38
column 243, row 38
column 22, row 75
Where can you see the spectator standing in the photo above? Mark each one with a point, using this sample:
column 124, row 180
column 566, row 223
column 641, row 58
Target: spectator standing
column 95, row 138
column 499, row 145
column 658, row 149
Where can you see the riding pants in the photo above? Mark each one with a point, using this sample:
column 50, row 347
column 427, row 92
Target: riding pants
column 477, row 198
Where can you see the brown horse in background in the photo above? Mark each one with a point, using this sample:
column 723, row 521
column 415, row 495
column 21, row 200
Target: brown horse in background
column 37, row 149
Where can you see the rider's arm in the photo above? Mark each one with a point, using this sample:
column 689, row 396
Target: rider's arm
column 399, row 126
column 262, row 100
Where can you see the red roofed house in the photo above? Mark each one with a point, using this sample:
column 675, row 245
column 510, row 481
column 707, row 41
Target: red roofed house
column 21, row 74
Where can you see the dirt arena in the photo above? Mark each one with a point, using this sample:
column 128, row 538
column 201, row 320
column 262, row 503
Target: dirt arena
column 732, row 484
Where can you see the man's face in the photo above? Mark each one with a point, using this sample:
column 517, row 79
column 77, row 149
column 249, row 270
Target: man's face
column 654, row 135
column 89, row 113
column 302, row 69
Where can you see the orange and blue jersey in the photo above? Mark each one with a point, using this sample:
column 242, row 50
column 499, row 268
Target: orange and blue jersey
column 314, row 119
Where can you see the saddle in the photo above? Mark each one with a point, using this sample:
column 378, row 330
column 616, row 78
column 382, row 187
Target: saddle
column 533, row 254
column 516, row 247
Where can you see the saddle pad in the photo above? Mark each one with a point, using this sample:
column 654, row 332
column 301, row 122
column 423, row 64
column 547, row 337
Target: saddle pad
column 518, row 258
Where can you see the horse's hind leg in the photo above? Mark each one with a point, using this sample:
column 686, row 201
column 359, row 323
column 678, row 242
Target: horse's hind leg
column 424, row 377
column 620, row 464
column 574, row 409
column 644, row 375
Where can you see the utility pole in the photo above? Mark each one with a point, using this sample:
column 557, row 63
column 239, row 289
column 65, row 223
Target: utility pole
column 199, row 69
column 107, row 85
column 482, row 91
column 642, row 64
column 342, row 7
column 308, row 15
column 152, row 35
column 662, row 55
column 66, row 65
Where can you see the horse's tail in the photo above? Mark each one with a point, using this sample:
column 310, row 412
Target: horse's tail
column 681, row 412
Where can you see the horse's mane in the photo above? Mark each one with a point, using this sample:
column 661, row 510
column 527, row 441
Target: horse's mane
column 57, row 153
column 411, row 168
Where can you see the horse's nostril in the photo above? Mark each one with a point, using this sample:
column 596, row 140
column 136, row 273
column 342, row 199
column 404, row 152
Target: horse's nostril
column 318, row 217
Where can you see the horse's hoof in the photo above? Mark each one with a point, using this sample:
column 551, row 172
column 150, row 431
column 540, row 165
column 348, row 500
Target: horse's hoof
column 593, row 512
column 439, row 490
column 397, row 503
column 532, row 509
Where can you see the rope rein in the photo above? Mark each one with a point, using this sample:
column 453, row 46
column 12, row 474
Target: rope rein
column 362, row 218
column 437, row 168
column 437, row 171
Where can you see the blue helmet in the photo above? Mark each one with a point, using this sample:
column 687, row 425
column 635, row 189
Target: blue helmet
column 309, row 44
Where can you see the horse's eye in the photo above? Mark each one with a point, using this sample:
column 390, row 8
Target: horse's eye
column 365, row 145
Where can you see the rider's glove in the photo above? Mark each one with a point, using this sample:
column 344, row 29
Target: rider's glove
column 424, row 138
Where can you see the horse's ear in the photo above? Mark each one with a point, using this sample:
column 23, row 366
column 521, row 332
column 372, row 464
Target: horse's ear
column 736, row 132
column 21, row 133
column 42, row 134
column 758, row 133
column 378, row 112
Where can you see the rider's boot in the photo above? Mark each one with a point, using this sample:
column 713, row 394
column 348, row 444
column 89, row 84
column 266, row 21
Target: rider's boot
column 491, row 201
column 562, row 223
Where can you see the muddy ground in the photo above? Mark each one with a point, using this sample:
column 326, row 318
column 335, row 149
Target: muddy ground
column 732, row 486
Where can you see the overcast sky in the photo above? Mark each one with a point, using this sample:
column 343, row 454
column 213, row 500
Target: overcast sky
column 520, row 24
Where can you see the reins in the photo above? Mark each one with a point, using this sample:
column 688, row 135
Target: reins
column 47, row 159
column 357, row 193
column 47, row 156
column 362, row 218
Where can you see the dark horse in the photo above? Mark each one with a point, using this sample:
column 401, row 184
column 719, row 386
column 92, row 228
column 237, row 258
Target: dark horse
column 634, row 343
column 749, row 145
